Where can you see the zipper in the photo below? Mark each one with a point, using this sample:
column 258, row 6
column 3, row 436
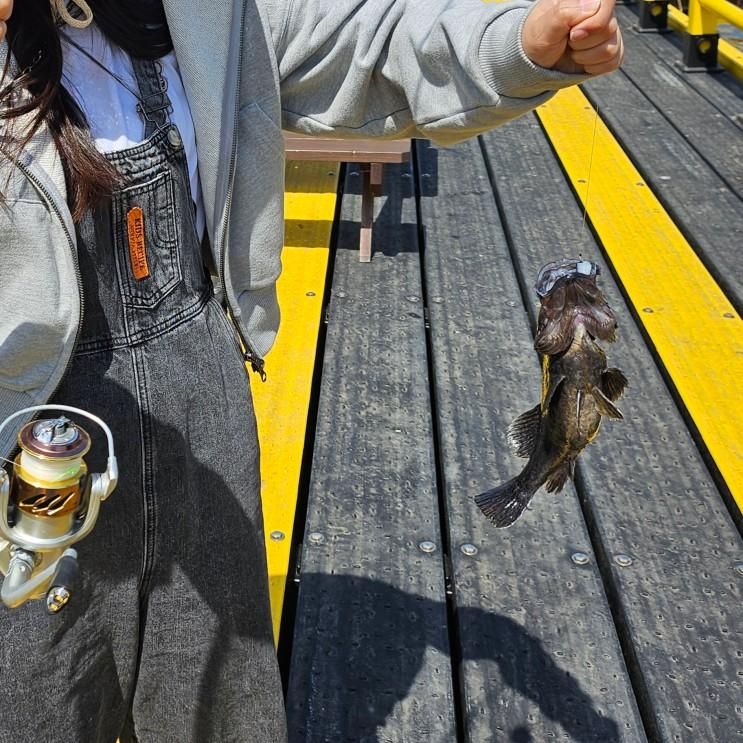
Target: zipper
column 71, row 244
column 251, row 356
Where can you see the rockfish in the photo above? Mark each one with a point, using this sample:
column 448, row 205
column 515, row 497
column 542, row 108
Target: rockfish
column 578, row 389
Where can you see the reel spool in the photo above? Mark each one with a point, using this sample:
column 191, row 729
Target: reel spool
column 49, row 503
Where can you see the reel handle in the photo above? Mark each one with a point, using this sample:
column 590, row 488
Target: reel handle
column 19, row 584
column 64, row 582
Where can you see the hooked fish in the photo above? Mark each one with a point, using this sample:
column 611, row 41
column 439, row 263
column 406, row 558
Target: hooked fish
column 578, row 389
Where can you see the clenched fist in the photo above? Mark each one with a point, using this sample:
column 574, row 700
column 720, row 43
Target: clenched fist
column 6, row 8
column 573, row 36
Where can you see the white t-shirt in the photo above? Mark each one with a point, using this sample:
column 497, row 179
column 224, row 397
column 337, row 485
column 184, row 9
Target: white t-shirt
column 111, row 109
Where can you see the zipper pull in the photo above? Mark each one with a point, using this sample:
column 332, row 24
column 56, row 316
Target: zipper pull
column 257, row 364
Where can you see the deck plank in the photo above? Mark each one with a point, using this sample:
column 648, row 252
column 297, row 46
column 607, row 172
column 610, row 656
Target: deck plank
column 540, row 655
column 370, row 657
column 645, row 488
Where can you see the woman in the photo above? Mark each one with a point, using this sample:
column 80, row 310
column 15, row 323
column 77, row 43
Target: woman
column 108, row 222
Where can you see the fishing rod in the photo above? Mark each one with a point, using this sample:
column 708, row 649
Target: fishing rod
column 48, row 502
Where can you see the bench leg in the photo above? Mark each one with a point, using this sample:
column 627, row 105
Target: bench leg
column 376, row 178
column 367, row 213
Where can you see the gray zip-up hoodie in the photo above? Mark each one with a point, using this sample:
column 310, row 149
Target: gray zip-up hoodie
column 441, row 69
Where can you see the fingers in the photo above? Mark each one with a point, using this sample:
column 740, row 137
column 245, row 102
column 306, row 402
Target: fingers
column 555, row 18
column 611, row 61
column 580, row 39
column 596, row 43
column 604, row 56
column 573, row 35
column 545, row 33
column 595, row 24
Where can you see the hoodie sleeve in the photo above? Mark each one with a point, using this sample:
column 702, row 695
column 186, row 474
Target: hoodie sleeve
column 439, row 69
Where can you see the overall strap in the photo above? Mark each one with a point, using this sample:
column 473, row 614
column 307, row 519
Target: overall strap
column 154, row 105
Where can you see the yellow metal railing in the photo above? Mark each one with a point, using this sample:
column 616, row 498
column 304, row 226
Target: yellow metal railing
column 702, row 48
column 729, row 56
column 706, row 15
column 702, row 38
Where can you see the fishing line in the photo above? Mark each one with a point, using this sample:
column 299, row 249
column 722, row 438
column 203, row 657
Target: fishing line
column 590, row 168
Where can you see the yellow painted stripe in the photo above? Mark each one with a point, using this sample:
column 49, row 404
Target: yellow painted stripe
column 729, row 56
column 693, row 326
column 282, row 401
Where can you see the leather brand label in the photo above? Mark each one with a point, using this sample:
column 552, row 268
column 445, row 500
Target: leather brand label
column 137, row 245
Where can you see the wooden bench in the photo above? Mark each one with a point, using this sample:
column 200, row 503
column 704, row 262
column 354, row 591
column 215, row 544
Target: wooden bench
column 371, row 153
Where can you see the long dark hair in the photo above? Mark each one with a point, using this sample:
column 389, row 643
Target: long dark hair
column 35, row 88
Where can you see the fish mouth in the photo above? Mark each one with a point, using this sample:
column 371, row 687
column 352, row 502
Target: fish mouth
column 558, row 272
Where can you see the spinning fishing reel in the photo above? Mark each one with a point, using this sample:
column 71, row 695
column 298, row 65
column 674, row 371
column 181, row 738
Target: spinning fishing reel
column 47, row 504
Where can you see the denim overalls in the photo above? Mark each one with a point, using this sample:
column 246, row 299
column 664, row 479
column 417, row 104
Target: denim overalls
column 168, row 637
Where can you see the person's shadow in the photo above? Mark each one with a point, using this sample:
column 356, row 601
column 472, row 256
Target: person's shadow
column 361, row 644
column 365, row 641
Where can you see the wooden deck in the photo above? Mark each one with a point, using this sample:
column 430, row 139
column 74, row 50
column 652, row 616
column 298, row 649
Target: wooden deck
column 609, row 613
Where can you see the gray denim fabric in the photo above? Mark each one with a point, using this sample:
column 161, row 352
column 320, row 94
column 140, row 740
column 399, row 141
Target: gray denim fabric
column 168, row 637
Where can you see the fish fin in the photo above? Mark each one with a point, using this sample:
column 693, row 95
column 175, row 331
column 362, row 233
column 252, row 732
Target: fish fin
column 522, row 433
column 613, row 383
column 605, row 406
column 602, row 327
column 596, row 315
column 554, row 328
column 504, row 504
column 556, row 335
column 556, row 481
column 555, row 381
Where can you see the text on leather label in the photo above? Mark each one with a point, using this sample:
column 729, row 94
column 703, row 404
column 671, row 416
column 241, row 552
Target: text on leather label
column 137, row 245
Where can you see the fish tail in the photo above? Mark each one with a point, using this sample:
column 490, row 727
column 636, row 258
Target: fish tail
column 504, row 504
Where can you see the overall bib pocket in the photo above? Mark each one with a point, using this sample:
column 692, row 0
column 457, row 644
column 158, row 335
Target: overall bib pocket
column 147, row 242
